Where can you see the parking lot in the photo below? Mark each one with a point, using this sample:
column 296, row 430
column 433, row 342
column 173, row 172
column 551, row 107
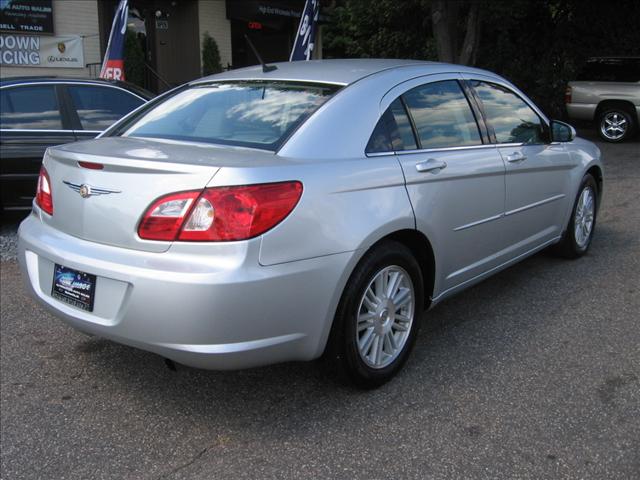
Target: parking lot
column 534, row 373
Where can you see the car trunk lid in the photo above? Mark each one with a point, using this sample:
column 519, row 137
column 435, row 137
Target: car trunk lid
column 105, row 205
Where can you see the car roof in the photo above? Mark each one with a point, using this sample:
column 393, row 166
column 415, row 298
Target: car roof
column 54, row 78
column 336, row 71
column 96, row 81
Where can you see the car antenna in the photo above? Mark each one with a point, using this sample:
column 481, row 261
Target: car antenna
column 265, row 68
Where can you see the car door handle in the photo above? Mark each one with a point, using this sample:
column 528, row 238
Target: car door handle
column 516, row 157
column 431, row 165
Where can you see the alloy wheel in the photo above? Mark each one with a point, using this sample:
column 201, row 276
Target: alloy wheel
column 584, row 216
column 614, row 125
column 385, row 316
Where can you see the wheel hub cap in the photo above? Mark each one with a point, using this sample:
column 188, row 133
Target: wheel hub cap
column 613, row 126
column 385, row 316
column 583, row 222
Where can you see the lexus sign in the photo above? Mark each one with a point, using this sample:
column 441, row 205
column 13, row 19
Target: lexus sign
column 39, row 51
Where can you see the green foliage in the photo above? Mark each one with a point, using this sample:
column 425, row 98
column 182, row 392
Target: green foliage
column 382, row 29
column 133, row 59
column 537, row 44
column 540, row 46
column 210, row 56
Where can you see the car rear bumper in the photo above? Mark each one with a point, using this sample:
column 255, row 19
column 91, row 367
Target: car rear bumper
column 207, row 306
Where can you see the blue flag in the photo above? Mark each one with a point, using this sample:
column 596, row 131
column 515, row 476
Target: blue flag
column 113, row 64
column 305, row 38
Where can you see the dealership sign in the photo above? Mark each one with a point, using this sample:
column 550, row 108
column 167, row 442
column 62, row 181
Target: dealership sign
column 37, row 51
column 26, row 16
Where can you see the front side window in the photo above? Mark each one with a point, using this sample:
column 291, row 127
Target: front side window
column 511, row 118
column 99, row 107
column 442, row 115
column 258, row 114
column 32, row 108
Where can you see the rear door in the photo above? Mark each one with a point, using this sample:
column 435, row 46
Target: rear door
column 94, row 108
column 32, row 118
column 454, row 178
column 537, row 170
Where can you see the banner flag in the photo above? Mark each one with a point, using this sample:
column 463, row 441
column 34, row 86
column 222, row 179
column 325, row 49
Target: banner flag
column 305, row 38
column 113, row 64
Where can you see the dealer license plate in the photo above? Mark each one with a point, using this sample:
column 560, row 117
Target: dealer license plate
column 74, row 287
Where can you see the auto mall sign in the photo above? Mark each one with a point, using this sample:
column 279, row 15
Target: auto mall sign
column 40, row 51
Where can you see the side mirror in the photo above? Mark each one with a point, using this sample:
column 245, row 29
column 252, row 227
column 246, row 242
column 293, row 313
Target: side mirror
column 562, row 132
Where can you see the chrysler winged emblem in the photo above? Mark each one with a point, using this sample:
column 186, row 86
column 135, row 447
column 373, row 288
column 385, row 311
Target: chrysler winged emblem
column 87, row 191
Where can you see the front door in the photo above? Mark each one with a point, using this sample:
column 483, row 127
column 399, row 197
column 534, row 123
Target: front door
column 536, row 169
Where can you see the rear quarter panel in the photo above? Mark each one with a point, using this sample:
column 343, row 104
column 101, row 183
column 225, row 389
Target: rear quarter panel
column 346, row 205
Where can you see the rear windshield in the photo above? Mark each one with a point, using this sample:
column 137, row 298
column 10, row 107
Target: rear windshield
column 611, row 70
column 248, row 114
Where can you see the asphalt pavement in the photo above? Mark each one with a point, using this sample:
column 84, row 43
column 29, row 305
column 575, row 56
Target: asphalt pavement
column 533, row 374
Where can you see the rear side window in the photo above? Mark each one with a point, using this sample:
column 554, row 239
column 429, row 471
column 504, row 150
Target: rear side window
column 393, row 131
column 511, row 118
column 33, row 108
column 442, row 115
column 380, row 140
column 99, row 107
column 258, row 114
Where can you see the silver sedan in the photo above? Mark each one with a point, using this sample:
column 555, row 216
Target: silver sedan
column 255, row 217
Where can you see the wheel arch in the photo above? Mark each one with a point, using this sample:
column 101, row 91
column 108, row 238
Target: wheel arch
column 625, row 105
column 422, row 250
column 596, row 172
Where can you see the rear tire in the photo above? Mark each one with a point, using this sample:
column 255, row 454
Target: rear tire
column 377, row 319
column 577, row 237
column 615, row 124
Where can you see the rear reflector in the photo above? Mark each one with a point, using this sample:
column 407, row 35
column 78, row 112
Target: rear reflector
column 91, row 165
column 567, row 95
column 219, row 214
column 44, row 198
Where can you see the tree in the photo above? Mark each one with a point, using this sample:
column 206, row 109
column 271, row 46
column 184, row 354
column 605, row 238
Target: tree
column 539, row 45
column 210, row 56
column 446, row 18
column 133, row 58
column 380, row 28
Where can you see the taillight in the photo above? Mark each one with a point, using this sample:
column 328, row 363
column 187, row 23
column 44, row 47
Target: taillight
column 220, row 214
column 567, row 95
column 43, row 192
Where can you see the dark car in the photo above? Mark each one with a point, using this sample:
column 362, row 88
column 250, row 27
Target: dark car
column 39, row 112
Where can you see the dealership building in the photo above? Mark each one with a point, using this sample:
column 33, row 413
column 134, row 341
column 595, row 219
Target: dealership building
column 69, row 37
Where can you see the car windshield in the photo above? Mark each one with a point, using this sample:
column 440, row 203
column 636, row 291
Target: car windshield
column 250, row 114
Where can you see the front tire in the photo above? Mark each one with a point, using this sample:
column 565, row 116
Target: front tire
column 577, row 238
column 377, row 320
